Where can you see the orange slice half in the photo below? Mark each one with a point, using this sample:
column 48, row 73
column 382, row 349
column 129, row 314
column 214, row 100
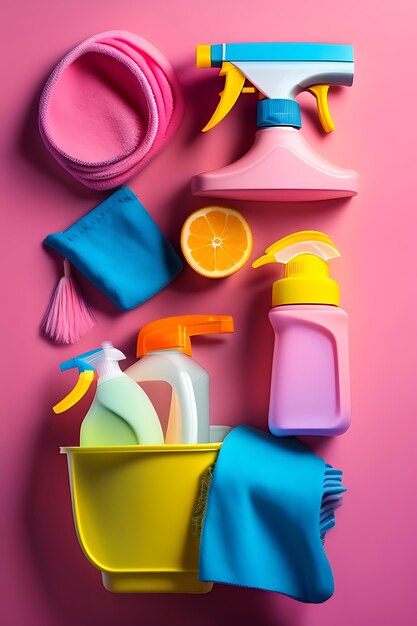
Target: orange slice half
column 216, row 241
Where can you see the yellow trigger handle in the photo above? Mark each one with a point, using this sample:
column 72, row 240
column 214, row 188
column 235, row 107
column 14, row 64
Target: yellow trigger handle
column 320, row 92
column 234, row 84
column 84, row 381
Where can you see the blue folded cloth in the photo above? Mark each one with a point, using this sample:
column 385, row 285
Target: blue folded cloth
column 120, row 249
column 270, row 503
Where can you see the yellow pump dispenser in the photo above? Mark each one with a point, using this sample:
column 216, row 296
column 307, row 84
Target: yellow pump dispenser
column 306, row 275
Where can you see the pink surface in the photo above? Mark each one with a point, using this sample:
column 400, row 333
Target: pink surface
column 46, row 580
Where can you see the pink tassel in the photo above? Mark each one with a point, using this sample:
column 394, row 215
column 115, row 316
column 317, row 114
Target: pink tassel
column 68, row 316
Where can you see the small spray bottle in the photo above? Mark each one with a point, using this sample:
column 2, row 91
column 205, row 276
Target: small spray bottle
column 310, row 386
column 121, row 413
column 165, row 350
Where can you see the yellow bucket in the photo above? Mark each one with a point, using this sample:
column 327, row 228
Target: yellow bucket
column 133, row 508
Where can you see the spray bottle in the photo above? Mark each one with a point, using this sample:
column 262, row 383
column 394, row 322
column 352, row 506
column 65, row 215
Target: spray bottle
column 164, row 348
column 121, row 414
column 310, row 388
column 281, row 165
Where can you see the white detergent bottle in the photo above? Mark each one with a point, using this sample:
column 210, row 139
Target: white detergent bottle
column 165, row 348
column 121, row 413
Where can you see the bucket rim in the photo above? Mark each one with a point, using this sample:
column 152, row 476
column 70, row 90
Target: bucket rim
column 177, row 447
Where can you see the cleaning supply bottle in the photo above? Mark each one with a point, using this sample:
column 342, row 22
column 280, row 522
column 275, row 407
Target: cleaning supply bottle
column 310, row 387
column 281, row 165
column 164, row 348
column 121, row 413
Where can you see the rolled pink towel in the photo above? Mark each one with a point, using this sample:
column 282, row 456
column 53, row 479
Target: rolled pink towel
column 108, row 107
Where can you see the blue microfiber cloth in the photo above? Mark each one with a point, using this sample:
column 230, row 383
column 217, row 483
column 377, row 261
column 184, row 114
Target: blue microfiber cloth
column 270, row 503
column 120, row 249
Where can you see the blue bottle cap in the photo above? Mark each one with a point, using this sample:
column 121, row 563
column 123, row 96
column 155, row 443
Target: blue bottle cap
column 278, row 112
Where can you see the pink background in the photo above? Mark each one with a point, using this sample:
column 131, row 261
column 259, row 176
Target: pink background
column 46, row 580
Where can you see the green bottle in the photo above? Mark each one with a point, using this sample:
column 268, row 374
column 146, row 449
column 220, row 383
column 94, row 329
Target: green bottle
column 121, row 413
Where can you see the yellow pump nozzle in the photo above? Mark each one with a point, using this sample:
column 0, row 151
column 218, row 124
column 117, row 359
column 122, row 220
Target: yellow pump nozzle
column 264, row 260
column 320, row 92
column 173, row 333
column 233, row 87
column 302, row 242
column 84, row 381
column 306, row 277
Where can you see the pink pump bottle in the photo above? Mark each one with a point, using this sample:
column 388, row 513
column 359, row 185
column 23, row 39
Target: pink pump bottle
column 310, row 384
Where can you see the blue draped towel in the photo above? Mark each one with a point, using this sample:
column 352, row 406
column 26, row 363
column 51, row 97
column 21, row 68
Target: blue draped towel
column 270, row 503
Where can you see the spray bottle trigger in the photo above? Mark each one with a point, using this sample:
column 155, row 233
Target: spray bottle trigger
column 320, row 92
column 85, row 379
column 234, row 84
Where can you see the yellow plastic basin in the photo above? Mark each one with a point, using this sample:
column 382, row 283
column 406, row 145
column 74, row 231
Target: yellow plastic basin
column 133, row 508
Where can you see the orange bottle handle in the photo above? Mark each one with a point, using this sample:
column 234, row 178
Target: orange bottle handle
column 173, row 333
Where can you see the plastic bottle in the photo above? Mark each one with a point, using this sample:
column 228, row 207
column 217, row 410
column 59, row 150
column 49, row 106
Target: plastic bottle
column 165, row 350
column 121, row 413
column 310, row 385
column 281, row 165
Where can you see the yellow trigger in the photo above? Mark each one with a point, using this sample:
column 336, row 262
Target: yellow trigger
column 320, row 93
column 234, row 84
column 84, row 381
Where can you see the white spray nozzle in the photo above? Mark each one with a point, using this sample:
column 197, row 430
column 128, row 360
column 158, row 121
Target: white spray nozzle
column 105, row 361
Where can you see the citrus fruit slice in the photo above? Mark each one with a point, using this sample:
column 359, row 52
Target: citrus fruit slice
column 216, row 241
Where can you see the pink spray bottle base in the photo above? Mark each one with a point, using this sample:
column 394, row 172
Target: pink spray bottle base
column 280, row 166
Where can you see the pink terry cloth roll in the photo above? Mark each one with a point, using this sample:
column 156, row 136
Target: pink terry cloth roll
column 108, row 107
